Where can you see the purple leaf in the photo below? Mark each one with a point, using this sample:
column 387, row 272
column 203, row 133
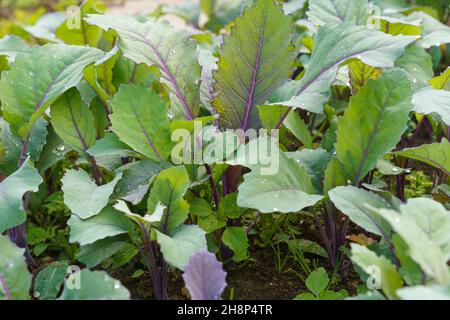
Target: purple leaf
column 204, row 277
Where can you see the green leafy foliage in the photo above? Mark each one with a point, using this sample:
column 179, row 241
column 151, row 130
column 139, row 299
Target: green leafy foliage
column 116, row 149
column 373, row 123
column 140, row 120
column 260, row 38
column 25, row 179
column 15, row 279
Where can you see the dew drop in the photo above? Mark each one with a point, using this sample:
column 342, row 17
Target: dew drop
column 117, row 285
column 395, row 169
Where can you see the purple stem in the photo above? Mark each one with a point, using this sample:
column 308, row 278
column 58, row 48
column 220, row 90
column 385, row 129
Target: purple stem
column 212, row 184
column 18, row 234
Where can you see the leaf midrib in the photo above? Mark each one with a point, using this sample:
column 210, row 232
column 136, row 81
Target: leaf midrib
column 372, row 136
column 255, row 70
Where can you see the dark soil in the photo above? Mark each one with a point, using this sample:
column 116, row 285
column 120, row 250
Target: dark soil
column 256, row 279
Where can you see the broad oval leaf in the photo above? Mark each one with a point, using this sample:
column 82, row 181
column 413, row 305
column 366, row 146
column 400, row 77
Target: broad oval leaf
column 140, row 120
column 391, row 279
column 256, row 59
column 49, row 280
column 422, row 248
column 287, row 189
column 11, row 46
column 322, row 12
column 83, row 197
column 93, row 285
column 353, row 202
column 15, row 279
column 428, row 292
column 436, row 155
column 38, row 78
column 185, row 241
column 169, row 189
column 432, row 218
column 157, row 43
column 373, row 123
column 12, row 189
column 109, row 222
column 335, row 44
column 429, row 100
column 73, row 121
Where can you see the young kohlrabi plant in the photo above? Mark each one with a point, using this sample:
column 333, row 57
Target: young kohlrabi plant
column 164, row 144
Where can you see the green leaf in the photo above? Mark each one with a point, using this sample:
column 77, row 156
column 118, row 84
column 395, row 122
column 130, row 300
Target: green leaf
column 109, row 151
column 200, row 207
column 236, row 239
column 156, row 216
column 334, row 45
column 49, row 280
column 93, row 254
column 109, row 222
column 435, row 154
column 46, row 25
column 373, row 123
column 83, row 197
column 386, row 168
column 428, row 101
column 136, row 180
column 322, row 12
column 14, row 275
column 334, row 175
column 295, row 124
column 99, row 76
column 441, row 82
column 360, row 73
column 399, row 26
column 429, row 292
column 286, row 187
column 305, row 296
column 169, row 189
column 12, row 189
column 418, row 64
column 315, row 161
column 390, row 280
column 432, row 218
column 72, row 120
column 93, row 285
column 38, row 78
column 353, row 202
column 228, row 207
column 409, row 269
column 271, row 115
column 181, row 245
column 53, row 151
column 249, row 69
column 422, row 248
column 11, row 46
column 171, row 51
column 76, row 31
column 140, row 120
column 10, row 148
column 434, row 33
column 317, row 281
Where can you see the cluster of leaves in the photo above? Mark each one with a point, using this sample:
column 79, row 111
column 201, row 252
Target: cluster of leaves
column 93, row 114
